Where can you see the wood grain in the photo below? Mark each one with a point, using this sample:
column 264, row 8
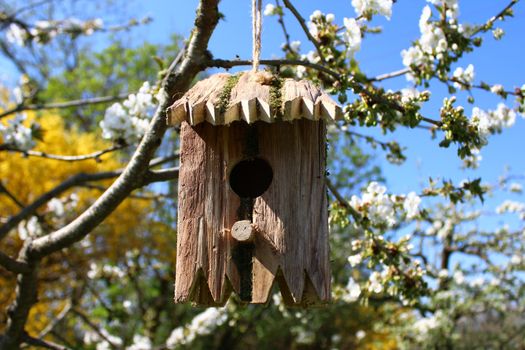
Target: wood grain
column 291, row 244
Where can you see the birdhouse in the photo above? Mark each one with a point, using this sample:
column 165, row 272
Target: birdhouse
column 252, row 195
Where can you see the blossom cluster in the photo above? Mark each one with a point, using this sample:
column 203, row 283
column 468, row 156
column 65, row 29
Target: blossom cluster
column 509, row 206
column 16, row 134
column 107, row 342
column 491, row 122
column 127, row 122
column 463, row 78
column 44, row 31
column 380, row 208
column 381, row 7
column 202, row 324
column 107, row 271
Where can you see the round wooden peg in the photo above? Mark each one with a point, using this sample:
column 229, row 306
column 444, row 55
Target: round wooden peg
column 243, row 231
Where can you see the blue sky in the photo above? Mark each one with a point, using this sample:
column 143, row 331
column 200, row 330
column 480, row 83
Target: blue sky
column 496, row 62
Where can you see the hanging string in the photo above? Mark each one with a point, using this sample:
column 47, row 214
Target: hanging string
column 256, row 31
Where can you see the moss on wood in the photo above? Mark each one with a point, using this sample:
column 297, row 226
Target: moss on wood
column 224, row 98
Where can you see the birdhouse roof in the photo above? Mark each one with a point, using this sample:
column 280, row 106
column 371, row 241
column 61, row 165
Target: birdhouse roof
column 252, row 96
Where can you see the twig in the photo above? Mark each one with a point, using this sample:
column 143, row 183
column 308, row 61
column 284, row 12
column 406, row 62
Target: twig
column 62, row 314
column 283, row 25
column 79, row 179
column 42, row 343
column 232, row 63
column 10, row 195
column 341, row 200
column 94, row 155
column 390, row 75
column 59, row 105
column 91, row 325
column 493, row 19
column 73, row 181
column 302, row 23
column 13, row 265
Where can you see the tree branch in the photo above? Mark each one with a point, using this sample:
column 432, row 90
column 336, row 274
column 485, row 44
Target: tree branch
column 302, row 23
column 94, row 155
column 82, row 178
column 42, row 343
column 232, row 63
column 136, row 173
column 13, row 265
column 59, row 105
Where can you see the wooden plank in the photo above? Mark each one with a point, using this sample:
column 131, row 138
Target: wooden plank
column 292, row 214
column 207, row 211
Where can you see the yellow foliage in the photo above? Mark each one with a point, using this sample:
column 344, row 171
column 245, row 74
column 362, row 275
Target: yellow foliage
column 29, row 177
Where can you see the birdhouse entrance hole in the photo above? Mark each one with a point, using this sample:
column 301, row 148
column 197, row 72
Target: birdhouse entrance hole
column 250, row 178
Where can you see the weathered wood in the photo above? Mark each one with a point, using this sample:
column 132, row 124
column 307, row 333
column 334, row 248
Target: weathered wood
column 291, row 244
column 243, row 231
column 250, row 100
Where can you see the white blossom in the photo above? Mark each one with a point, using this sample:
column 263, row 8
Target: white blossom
column 411, row 205
column 140, row 343
column 355, row 259
column 56, row 206
column 452, row 7
column 202, row 324
column 412, row 56
column 16, row 134
column 270, row 10
column 295, row 45
column 498, row 33
column 129, row 120
column 409, row 95
column 459, row 277
column 515, row 259
column 29, row 228
column 360, row 334
column 316, row 15
column 497, row 89
column 382, row 7
column 509, row 206
column 102, row 343
column 352, row 35
column 376, row 204
column 330, row 17
column 465, row 77
column 424, row 325
column 352, row 291
column 375, row 284
column 15, row 34
column 443, row 273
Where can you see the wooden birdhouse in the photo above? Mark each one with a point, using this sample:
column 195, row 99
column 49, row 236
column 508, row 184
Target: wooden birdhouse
column 252, row 200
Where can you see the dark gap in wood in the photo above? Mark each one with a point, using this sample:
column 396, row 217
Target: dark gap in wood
column 242, row 254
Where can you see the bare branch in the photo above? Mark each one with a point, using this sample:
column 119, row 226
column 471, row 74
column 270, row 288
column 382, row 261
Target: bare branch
column 91, row 325
column 13, row 265
column 31, row 209
column 136, row 173
column 493, row 19
column 390, row 75
column 79, row 180
column 65, row 158
column 61, row 315
column 60, row 105
column 232, row 63
column 42, row 343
